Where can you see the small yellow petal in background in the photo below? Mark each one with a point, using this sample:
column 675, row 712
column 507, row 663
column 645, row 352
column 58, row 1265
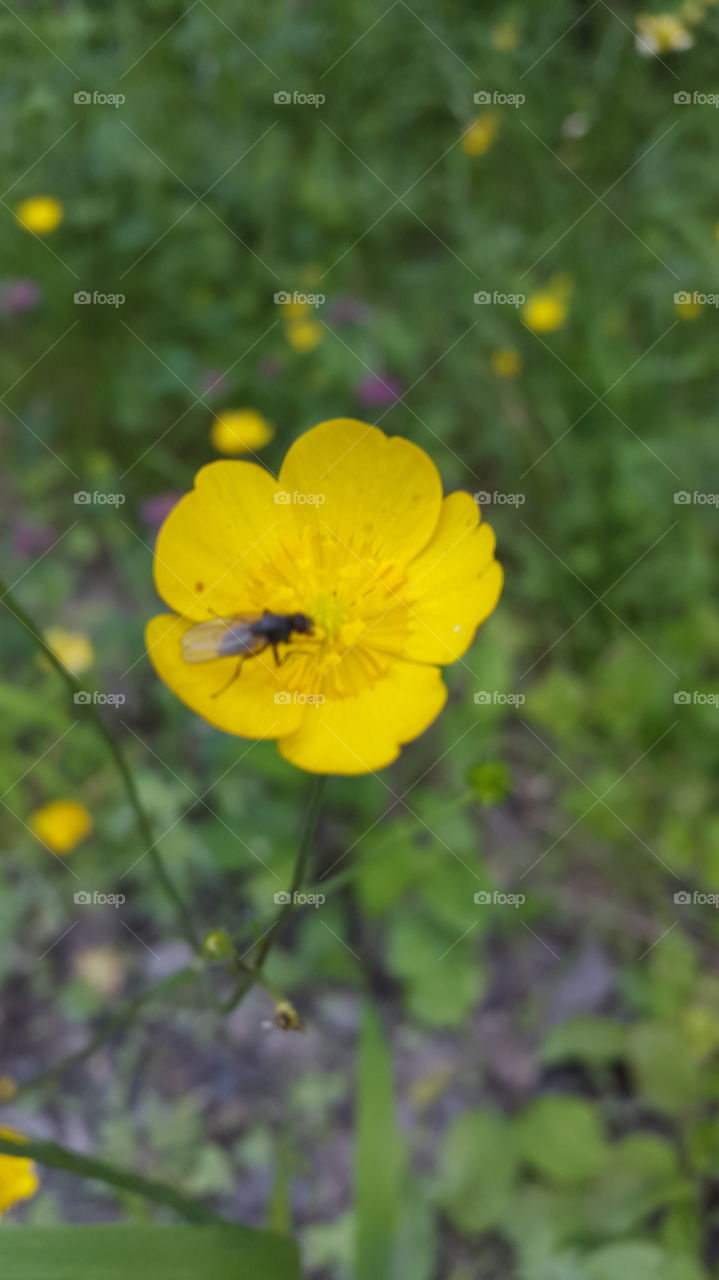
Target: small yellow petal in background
column 39, row 214
column 237, row 431
column 61, row 825
column 548, row 308
column 8, row 1088
column 506, row 362
column 304, row 335
column 687, row 306
column 73, row 648
column 18, row 1179
column 481, row 134
column 504, row 37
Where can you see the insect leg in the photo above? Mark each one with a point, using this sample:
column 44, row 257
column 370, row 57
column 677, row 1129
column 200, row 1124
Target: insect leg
column 235, row 676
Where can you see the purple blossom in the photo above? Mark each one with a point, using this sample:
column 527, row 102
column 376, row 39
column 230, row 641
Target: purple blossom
column 155, row 509
column 378, row 389
column 17, row 296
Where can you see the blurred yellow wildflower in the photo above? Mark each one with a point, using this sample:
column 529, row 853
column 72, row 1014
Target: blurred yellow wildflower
column 8, row 1088
column 73, row 649
column 61, row 825
column 481, row 134
column 18, row 1179
column 658, row 33
column 356, row 536
column 506, row 362
column 504, row 37
column 548, row 309
column 304, row 335
column 240, row 431
column 40, row 214
column 687, row 306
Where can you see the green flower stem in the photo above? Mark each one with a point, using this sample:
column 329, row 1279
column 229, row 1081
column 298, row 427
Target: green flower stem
column 56, row 1157
column 309, row 826
column 143, row 822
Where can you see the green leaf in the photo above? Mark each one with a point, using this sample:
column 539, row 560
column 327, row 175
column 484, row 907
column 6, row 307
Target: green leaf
column 641, row 1177
column 640, row 1261
column 563, row 1139
column 379, row 1156
column 666, row 1076
column 595, row 1041
column 478, row 1170
column 164, row 1253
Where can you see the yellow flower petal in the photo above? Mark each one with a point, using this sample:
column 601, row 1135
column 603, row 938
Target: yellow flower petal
column 481, row 134
column 304, row 335
column 380, row 495
column 453, row 585
column 363, row 733
column 39, row 214
column 213, row 550
column 247, row 707
column 61, row 825
column 18, row 1179
column 73, row 648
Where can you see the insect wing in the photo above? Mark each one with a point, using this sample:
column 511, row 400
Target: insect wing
column 221, row 638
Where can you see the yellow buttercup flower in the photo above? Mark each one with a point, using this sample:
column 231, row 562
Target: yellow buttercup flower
column 240, row 431
column 73, row 648
column 18, row 1179
column 504, row 37
column 304, row 335
column 61, row 825
column 481, row 134
column 354, row 537
column 658, row 33
column 506, row 362
column 548, row 309
column 40, row 214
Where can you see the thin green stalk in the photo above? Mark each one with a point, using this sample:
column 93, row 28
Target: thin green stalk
column 262, row 950
column 88, row 708
column 57, row 1157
